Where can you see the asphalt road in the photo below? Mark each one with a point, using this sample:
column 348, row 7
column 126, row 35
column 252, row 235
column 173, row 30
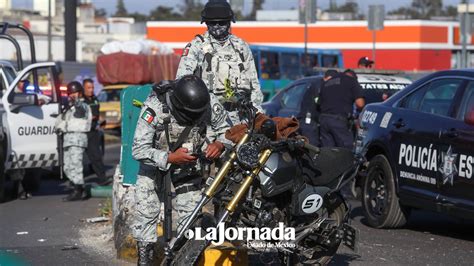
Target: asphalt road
column 428, row 239
column 44, row 230
column 53, row 228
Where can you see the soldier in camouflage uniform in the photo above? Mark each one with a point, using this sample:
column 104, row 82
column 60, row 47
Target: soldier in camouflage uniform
column 186, row 106
column 224, row 61
column 74, row 122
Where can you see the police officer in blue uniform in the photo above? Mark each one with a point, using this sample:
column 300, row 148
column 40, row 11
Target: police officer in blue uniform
column 337, row 97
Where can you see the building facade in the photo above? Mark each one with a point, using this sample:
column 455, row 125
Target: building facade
column 410, row 45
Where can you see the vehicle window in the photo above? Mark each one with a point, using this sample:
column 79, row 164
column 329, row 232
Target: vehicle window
column 467, row 104
column 311, row 62
column 39, row 81
column 330, row 60
column 293, row 96
column 290, row 66
column 413, row 100
column 10, row 74
column 255, row 60
column 109, row 95
column 439, row 97
column 269, row 65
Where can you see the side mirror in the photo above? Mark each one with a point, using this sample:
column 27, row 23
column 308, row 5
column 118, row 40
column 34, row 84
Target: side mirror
column 469, row 117
column 19, row 100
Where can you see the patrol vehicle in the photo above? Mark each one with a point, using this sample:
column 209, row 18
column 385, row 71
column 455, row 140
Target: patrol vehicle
column 290, row 101
column 419, row 145
column 27, row 137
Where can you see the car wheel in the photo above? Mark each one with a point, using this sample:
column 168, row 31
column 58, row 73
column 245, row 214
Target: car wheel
column 379, row 197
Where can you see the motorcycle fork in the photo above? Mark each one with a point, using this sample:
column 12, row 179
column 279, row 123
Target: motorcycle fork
column 231, row 206
column 210, row 191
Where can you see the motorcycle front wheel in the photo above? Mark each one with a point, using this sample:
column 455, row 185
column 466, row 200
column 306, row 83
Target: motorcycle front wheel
column 323, row 253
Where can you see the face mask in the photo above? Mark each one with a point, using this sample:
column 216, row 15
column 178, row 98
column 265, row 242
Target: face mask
column 218, row 29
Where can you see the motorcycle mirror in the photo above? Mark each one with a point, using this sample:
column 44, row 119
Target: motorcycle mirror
column 268, row 129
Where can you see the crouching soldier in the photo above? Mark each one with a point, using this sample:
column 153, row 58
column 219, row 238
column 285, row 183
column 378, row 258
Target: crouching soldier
column 74, row 123
column 177, row 122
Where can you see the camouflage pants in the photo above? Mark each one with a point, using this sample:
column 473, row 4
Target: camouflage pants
column 147, row 208
column 73, row 164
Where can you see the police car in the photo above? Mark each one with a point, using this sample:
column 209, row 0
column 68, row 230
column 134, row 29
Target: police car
column 419, row 145
column 298, row 98
column 27, row 135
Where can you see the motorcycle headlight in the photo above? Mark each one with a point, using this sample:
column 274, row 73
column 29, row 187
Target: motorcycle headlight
column 247, row 155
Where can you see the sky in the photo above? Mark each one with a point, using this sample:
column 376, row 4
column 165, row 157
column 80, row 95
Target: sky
column 144, row 6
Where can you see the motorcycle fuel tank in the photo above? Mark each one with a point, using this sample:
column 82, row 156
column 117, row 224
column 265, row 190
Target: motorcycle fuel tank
column 278, row 174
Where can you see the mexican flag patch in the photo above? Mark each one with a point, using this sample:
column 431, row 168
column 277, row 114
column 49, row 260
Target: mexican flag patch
column 148, row 115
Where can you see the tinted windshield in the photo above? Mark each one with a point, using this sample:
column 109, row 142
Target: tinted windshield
column 109, row 95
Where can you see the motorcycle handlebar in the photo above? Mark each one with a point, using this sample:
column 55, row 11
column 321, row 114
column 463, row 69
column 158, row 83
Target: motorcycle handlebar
column 296, row 143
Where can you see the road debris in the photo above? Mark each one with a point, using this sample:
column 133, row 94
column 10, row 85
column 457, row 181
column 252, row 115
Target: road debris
column 97, row 219
column 70, row 247
column 22, row 233
column 41, row 240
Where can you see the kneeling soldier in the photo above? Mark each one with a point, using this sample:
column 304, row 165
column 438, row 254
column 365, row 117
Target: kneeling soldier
column 174, row 124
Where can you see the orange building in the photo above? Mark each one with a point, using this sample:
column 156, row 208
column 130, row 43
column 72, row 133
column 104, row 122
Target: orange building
column 402, row 44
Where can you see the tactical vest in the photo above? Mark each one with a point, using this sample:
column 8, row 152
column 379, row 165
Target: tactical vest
column 68, row 123
column 170, row 136
column 222, row 68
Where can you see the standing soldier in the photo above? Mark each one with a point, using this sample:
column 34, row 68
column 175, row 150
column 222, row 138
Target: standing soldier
column 74, row 122
column 93, row 136
column 171, row 133
column 222, row 60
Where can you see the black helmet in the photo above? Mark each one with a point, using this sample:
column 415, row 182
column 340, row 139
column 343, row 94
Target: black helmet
column 217, row 10
column 74, row 86
column 190, row 99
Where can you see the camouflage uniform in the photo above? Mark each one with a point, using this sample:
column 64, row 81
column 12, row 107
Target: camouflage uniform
column 151, row 149
column 226, row 68
column 74, row 123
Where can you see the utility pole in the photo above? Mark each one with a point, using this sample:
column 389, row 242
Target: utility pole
column 70, row 21
column 50, row 55
column 465, row 34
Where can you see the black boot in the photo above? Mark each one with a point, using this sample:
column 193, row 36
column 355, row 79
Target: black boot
column 76, row 194
column 145, row 253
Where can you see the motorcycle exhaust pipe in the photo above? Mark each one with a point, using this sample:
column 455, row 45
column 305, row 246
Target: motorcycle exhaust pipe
column 210, row 191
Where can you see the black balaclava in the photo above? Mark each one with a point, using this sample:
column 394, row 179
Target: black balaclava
column 220, row 30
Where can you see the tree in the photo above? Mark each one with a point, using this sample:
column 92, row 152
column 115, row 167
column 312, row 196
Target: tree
column 164, row 13
column 427, row 8
column 139, row 17
column 192, row 11
column 100, row 12
column 121, row 10
column 451, row 11
column 257, row 5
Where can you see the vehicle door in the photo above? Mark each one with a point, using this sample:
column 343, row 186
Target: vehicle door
column 30, row 104
column 457, row 157
column 415, row 140
column 291, row 99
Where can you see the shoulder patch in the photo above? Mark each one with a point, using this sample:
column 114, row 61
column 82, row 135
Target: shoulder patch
column 148, row 115
column 186, row 50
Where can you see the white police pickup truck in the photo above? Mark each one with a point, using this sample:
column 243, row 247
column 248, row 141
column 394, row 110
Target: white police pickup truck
column 30, row 101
